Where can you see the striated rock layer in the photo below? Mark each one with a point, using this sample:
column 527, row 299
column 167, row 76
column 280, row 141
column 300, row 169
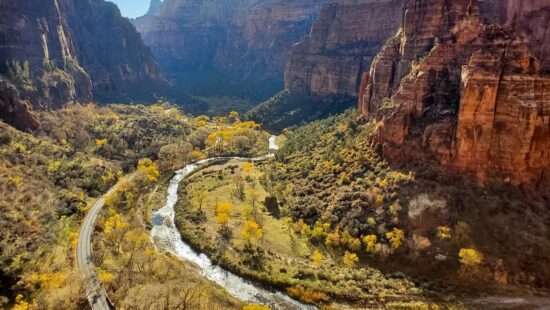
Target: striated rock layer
column 471, row 96
column 247, row 37
column 342, row 44
column 58, row 52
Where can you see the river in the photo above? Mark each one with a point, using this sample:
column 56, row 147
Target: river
column 167, row 237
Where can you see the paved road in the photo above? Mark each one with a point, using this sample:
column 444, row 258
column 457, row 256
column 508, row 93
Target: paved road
column 95, row 292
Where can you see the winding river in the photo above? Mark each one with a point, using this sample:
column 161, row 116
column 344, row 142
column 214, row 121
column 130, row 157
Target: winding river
column 166, row 237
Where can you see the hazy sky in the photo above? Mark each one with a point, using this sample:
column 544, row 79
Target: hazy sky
column 132, row 8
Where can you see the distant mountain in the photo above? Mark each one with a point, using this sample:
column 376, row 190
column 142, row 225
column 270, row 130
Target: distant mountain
column 226, row 48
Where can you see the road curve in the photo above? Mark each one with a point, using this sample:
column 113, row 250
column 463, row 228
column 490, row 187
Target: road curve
column 95, row 292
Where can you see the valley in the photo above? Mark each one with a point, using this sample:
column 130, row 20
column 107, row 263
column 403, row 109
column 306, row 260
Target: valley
column 256, row 155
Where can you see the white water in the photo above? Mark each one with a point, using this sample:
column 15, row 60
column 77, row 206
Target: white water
column 166, row 237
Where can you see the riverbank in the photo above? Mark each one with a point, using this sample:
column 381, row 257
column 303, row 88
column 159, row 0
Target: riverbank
column 282, row 258
column 167, row 238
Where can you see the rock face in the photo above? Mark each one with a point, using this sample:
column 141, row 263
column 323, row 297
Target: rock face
column 37, row 32
column 110, row 49
column 342, row 44
column 245, row 39
column 154, row 7
column 469, row 95
column 58, row 52
column 18, row 112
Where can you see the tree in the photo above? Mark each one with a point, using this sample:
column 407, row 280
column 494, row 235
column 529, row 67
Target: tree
column 350, row 259
column 247, row 167
column 333, row 239
column 395, row 237
column 238, row 181
column 148, row 169
column 354, row 244
column 316, row 257
column 233, row 116
column 223, row 213
column 470, row 257
column 444, row 232
column 174, row 155
column 200, row 198
column 254, row 196
column 115, row 228
column 195, row 156
column 370, row 241
column 252, row 231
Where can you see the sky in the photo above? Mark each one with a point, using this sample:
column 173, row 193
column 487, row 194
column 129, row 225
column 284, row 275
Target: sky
column 132, row 8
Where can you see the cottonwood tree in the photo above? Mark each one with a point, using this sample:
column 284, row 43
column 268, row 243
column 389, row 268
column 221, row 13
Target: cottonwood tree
column 200, row 198
column 238, row 182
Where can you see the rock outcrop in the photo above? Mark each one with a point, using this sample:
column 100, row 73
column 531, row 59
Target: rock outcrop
column 342, row 44
column 14, row 110
column 154, row 7
column 469, row 95
column 249, row 38
column 110, row 49
column 58, row 52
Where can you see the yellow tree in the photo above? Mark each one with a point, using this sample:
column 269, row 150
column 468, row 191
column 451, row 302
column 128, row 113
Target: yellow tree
column 350, row 259
column 115, row 229
column 247, row 167
column 317, row 257
column 148, row 169
column 252, row 231
column 444, row 232
column 395, row 237
column 470, row 257
column 223, row 212
column 370, row 241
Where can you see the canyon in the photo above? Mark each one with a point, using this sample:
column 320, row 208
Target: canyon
column 242, row 43
column 59, row 52
column 465, row 94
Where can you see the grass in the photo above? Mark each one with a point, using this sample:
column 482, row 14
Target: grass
column 286, row 261
column 221, row 190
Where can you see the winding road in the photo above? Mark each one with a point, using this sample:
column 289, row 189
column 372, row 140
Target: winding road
column 95, row 292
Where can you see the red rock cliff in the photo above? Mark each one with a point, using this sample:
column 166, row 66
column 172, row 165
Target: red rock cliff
column 342, row 44
column 471, row 96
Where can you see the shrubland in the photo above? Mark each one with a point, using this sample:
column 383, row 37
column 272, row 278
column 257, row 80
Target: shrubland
column 50, row 177
column 292, row 109
column 360, row 229
column 445, row 231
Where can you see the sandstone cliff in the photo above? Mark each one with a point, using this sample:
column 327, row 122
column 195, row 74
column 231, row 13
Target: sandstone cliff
column 342, row 44
column 58, row 52
column 154, row 7
column 471, row 96
column 247, row 39
column 15, row 110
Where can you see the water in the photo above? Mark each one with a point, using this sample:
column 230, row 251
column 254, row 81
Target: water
column 166, row 237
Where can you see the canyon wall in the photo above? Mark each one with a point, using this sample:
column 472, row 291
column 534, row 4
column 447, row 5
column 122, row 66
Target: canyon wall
column 467, row 88
column 245, row 40
column 342, row 44
column 58, row 52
